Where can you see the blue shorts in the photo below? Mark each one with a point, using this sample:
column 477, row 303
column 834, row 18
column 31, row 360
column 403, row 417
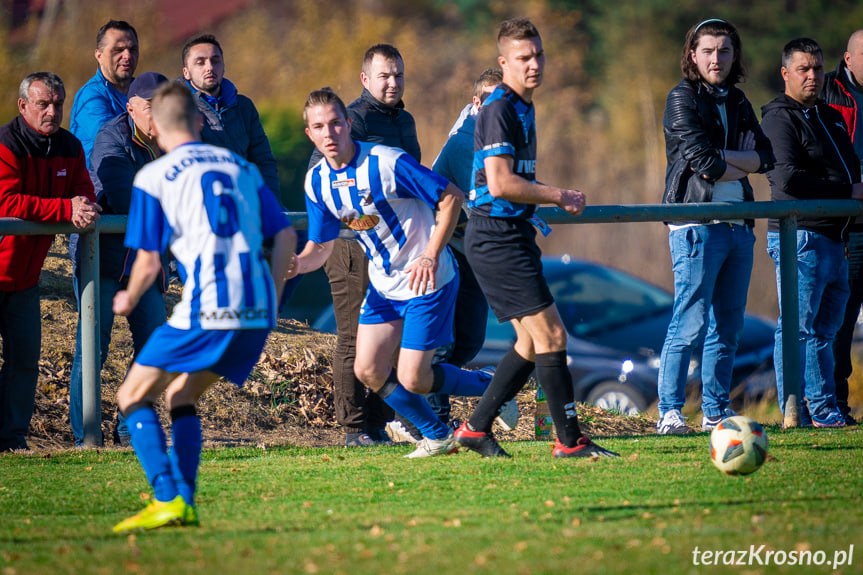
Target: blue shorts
column 229, row 353
column 427, row 319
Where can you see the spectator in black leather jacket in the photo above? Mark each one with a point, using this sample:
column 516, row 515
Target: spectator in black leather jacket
column 712, row 142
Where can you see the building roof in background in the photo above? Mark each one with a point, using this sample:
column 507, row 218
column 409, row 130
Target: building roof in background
column 187, row 17
column 182, row 18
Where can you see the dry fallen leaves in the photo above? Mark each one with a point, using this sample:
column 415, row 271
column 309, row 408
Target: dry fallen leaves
column 288, row 399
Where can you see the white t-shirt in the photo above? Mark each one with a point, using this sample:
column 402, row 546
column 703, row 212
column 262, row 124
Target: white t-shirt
column 722, row 191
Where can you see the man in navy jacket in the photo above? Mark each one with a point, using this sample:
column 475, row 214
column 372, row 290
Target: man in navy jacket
column 122, row 147
column 230, row 119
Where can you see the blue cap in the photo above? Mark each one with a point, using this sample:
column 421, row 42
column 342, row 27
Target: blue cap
column 144, row 86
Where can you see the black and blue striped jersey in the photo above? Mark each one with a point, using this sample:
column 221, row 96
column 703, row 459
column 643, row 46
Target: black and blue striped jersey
column 504, row 126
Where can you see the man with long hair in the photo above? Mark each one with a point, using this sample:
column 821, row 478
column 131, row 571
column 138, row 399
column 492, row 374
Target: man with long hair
column 712, row 143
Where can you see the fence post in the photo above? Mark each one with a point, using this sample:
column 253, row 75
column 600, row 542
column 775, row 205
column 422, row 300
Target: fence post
column 790, row 318
column 90, row 345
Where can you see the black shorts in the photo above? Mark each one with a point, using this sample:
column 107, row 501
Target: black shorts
column 507, row 264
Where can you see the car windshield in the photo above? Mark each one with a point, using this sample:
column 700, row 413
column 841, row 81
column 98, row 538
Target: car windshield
column 593, row 299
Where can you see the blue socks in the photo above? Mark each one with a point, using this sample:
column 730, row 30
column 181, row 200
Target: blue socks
column 414, row 408
column 148, row 439
column 170, row 473
column 451, row 380
column 185, row 452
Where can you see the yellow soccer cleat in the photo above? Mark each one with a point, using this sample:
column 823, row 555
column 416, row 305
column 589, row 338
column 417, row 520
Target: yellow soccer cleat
column 190, row 519
column 156, row 514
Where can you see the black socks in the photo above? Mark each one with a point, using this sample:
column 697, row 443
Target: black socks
column 556, row 381
column 509, row 377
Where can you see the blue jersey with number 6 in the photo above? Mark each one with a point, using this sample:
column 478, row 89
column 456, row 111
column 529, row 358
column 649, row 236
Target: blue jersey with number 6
column 212, row 209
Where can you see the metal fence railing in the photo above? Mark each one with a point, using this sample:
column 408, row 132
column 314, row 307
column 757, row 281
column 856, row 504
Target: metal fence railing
column 786, row 212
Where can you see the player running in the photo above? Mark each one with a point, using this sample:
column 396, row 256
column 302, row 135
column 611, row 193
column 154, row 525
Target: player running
column 212, row 209
column 500, row 244
column 403, row 215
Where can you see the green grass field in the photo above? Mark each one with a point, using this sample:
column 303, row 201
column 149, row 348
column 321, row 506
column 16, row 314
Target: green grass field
column 334, row 510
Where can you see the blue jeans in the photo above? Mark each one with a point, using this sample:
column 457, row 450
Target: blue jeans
column 822, row 291
column 845, row 336
column 712, row 265
column 21, row 332
column 147, row 316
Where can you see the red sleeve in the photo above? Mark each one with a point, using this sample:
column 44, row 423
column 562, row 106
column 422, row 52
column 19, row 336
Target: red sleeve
column 15, row 204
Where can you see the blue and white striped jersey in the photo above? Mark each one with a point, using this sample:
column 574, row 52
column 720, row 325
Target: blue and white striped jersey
column 212, row 209
column 389, row 200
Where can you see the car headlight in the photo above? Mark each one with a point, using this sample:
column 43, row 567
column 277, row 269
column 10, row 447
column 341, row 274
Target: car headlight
column 625, row 368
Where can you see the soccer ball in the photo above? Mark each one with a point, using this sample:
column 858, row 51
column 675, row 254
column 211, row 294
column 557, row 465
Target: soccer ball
column 738, row 445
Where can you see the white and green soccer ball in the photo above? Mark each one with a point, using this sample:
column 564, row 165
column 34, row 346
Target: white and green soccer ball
column 738, row 445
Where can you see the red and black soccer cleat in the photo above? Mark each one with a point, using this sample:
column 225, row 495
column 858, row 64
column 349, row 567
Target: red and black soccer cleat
column 583, row 448
column 483, row 443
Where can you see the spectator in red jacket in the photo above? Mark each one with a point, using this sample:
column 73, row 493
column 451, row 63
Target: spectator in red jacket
column 43, row 178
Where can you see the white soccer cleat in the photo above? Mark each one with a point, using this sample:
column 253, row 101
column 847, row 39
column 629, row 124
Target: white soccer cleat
column 428, row 447
column 508, row 416
column 398, row 433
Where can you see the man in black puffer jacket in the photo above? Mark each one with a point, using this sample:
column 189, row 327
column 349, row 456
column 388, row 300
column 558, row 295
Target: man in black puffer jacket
column 381, row 121
column 814, row 160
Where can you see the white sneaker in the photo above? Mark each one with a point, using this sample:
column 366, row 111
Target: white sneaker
column 710, row 423
column 672, row 423
column 398, row 433
column 428, row 447
column 508, row 416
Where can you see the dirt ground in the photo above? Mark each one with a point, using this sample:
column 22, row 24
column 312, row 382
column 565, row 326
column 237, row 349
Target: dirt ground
column 287, row 400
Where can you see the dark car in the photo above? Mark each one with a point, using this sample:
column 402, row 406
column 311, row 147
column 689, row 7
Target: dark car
column 616, row 325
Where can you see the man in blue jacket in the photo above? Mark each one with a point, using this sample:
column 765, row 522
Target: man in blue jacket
column 455, row 163
column 230, row 119
column 104, row 96
column 122, row 147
